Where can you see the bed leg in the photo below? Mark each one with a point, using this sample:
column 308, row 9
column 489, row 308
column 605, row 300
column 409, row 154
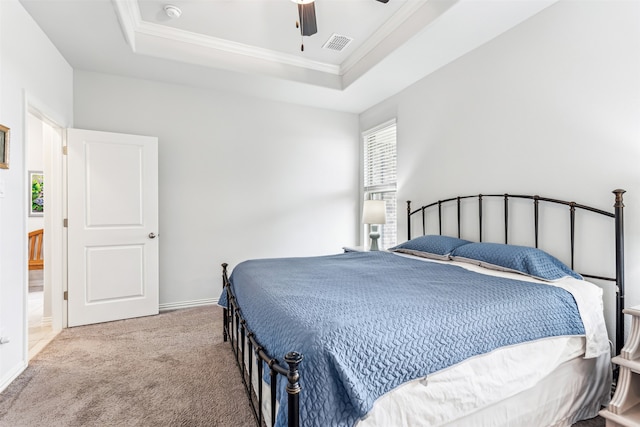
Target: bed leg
column 224, row 325
column 293, row 359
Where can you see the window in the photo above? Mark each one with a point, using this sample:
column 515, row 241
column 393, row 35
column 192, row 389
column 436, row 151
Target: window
column 380, row 175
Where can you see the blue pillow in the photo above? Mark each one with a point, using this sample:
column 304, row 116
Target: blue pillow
column 521, row 259
column 430, row 246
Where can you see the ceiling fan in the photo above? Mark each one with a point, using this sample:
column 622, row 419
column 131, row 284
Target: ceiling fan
column 307, row 17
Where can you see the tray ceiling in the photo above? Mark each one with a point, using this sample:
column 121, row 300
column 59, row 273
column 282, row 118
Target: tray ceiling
column 253, row 46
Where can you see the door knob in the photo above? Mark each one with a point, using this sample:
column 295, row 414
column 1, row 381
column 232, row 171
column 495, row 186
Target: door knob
column 152, row 236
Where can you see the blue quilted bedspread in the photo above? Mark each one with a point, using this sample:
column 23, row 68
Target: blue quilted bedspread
column 368, row 322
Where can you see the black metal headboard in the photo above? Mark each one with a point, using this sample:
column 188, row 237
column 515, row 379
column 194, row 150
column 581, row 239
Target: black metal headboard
column 617, row 215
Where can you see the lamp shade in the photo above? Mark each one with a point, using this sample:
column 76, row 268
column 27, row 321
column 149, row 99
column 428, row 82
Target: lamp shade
column 374, row 212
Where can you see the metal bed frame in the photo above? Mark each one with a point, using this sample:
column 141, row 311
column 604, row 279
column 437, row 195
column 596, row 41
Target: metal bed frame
column 236, row 332
column 244, row 342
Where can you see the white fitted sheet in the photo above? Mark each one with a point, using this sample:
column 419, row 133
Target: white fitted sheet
column 542, row 383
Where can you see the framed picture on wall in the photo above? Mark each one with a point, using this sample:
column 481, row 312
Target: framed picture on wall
column 4, row 147
column 37, row 193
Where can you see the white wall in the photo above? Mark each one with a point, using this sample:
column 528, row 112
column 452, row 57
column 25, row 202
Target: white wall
column 551, row 107
column 239, row 177
column 32, row 68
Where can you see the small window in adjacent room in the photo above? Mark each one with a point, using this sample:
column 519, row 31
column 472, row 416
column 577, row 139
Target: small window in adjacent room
column 380, row 176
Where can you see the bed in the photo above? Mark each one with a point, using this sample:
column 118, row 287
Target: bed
column 441, row 330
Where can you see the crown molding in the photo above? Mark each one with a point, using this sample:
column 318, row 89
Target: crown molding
column 128, row 14
column 441, row 30
column 408, row 10
column 133, row 27
column 149, row 38
column 208, row 42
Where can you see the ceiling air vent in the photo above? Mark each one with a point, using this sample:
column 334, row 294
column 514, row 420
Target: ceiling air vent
column 337, row 42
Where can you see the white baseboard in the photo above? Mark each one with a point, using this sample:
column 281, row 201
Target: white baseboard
column 8, row 379
column 47, row 321
column 187, row 304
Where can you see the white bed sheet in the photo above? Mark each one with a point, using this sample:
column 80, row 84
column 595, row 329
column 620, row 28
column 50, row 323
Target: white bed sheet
column 555, row 387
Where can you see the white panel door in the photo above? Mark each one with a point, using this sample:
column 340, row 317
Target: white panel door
column 112, row 226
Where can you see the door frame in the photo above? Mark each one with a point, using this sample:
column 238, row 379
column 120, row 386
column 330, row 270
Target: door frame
column 55, row 239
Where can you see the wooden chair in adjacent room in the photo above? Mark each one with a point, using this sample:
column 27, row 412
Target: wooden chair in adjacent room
column 36, row 256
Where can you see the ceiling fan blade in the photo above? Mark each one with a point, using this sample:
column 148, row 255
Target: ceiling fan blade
column 383, row 1
column 307, row 13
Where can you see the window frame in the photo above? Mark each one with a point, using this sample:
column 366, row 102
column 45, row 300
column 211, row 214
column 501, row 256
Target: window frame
column 377, row 191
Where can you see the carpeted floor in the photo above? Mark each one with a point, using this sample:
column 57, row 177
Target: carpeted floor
column 167, row 370
column 162, row 370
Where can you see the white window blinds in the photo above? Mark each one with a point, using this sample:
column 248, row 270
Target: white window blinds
column 380, row 156
column 380, row 175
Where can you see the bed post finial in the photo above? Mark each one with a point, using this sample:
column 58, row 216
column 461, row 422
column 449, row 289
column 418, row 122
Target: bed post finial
column 293, row 359
column 619, row 192
column 225, row 276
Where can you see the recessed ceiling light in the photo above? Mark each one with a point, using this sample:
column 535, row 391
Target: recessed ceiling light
column 172, row 11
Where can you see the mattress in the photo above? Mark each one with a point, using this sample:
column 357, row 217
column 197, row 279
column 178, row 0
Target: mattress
column 556, row 387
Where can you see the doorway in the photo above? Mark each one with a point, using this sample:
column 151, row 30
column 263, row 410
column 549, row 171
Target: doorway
column 42, row 139
column 47, row 142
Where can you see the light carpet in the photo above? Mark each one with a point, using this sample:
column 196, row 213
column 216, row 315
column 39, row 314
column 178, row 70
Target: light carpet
column 167, row 370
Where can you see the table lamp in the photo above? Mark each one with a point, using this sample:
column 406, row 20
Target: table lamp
column 374, row 214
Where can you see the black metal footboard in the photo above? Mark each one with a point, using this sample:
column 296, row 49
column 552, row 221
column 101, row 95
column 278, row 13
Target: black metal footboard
column 248, row 350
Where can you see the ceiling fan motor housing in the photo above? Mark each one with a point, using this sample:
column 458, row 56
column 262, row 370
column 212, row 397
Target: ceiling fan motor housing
column 307, row 14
